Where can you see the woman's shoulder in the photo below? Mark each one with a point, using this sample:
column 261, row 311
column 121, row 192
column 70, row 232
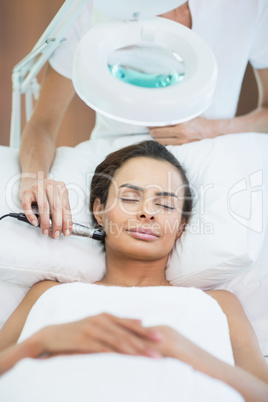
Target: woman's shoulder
column 222, row 296
column 40, row 287
column 228, row 302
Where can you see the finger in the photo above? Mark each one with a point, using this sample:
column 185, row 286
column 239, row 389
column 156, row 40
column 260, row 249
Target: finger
column 125, row 341
column 67, row 223
column 106, row 332
column 121, row 340
column 26, row 203
column 43, row 207
column 55, row 202
column 161, row 127
column 96, row 346
column 92, row 347
column 136, row 327
column 171, row 141
column 100, row 347
column 163, row 132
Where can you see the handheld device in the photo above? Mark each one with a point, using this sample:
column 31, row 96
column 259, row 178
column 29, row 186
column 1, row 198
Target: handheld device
column 77, row 230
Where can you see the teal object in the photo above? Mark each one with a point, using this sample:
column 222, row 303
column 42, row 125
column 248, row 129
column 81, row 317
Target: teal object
column 143, row 79
column 147, row 65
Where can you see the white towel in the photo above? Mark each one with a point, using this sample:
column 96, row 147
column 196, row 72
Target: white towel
column 115, row 377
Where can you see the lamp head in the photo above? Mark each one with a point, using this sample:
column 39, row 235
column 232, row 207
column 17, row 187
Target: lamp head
column 151, row 72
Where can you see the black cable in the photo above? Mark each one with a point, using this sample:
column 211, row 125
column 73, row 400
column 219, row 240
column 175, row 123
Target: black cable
column 4, row 216
column 11, row 215
column 20, row 217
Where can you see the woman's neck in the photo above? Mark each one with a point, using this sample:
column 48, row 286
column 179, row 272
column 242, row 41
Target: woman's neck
column 128, row 272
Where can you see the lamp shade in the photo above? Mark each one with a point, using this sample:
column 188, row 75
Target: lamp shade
column 166, row 75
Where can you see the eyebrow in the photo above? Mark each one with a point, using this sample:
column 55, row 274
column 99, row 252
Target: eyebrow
column 141, row 190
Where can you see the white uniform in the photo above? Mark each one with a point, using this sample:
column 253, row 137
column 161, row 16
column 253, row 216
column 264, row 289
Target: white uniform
column 236, row 31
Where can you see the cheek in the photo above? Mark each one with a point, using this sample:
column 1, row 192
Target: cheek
column 171, row 225
column 114, row 222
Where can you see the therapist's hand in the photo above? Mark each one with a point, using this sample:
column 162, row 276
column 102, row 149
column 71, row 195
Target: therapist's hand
column 52, row 200
column 193, row 130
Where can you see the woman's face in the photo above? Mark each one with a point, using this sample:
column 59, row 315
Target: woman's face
column 142, row 216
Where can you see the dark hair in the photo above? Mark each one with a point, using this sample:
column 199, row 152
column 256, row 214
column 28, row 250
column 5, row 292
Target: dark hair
column 106, row 170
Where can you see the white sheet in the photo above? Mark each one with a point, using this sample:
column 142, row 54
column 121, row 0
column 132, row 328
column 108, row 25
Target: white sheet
column 113, row 377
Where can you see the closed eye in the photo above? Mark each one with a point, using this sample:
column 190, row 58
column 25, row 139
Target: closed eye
column 165, row 206
column 129, row 199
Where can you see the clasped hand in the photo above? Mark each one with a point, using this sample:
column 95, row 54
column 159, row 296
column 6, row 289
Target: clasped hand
column 107, row 333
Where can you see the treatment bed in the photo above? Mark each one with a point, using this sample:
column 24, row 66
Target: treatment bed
column 224, row 246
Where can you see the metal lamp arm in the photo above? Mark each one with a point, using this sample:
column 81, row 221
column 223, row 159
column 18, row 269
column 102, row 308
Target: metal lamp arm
column 25, row 72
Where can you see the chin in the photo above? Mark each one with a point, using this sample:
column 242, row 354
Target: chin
column 140, row 250
column 145, row 256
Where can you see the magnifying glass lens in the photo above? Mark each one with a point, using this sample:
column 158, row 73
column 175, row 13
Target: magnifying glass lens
column 147, row 65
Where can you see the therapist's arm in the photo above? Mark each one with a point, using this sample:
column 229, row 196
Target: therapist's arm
column 200, row 127
column 37, row 152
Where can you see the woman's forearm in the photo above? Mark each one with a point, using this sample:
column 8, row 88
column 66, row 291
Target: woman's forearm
column 13, row 354
column 250, row 387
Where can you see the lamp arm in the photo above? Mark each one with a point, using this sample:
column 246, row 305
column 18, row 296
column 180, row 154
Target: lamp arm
column 25, row 72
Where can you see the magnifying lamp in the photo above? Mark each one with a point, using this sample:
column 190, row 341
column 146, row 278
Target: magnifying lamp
column 138, row 68
column 142, row 69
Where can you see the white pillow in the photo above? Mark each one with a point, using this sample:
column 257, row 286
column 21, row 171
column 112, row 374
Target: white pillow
column 201, row 258
column 230, row 177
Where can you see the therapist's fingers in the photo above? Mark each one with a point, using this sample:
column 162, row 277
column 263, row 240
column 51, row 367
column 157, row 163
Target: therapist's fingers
column 162, row 131
column 27, row 200
column 166, row 136
column 183, row 133
column 175, row 140
column 60, row 211
column 52, row 200
column 55, row 203
column 67, row 223
column 178, row 138
column 43, row 207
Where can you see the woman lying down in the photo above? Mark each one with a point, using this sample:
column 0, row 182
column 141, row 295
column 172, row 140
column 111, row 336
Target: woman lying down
column 132, row 336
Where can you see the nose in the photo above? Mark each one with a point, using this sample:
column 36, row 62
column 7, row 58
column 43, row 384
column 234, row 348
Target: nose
column 146, row 217
column 147, row 214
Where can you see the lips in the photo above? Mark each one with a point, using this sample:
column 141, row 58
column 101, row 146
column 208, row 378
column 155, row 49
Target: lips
column 143, row 233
